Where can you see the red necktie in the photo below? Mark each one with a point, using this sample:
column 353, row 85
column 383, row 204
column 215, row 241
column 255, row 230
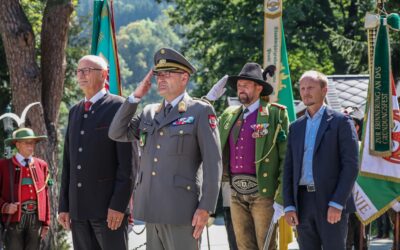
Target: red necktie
column 88, row 104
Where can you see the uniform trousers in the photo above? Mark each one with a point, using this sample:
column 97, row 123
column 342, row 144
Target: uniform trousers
column 314, row 231
column 94, row 234
column 170, row 237
column 24, row 235
column 251, row 217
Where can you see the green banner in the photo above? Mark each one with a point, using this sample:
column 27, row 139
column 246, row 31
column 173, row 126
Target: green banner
column 285, row 94
column 104, row 42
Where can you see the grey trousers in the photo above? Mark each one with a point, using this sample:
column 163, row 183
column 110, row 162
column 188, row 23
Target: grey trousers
column 170, row 237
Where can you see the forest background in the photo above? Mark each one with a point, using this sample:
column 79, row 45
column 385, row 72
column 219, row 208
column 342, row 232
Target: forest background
column 40, row 48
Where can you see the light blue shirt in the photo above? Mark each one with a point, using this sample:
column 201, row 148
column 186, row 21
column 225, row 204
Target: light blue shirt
column 253, row 107
column 21, row 159
column 309, row 145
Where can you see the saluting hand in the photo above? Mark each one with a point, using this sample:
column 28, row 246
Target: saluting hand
column 200, row 219
column 144, row 86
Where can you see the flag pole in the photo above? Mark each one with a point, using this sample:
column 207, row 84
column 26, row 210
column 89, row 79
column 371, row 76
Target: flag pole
column 396, row 240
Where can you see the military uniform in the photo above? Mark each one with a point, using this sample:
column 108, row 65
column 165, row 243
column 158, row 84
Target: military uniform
column 175, row 148
column 253, row 159
column 270, row 149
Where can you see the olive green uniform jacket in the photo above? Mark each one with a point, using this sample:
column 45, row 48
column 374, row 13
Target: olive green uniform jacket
column 270, row 149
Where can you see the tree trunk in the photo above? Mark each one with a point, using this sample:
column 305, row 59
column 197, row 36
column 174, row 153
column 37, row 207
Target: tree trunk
column 54, row 38
column 29, row 83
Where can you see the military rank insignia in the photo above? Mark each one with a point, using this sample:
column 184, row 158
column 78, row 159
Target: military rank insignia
column 183, row 121
column 260, row 130
column 212, row 120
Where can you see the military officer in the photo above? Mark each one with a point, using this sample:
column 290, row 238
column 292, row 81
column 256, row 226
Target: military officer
column 176, row 137
column 253, row 142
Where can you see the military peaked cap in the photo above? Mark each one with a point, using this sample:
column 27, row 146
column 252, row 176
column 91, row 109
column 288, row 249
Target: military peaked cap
column 169, row 59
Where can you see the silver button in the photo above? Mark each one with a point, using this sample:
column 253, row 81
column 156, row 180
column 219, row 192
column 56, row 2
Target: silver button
column 79, row 167
column 85, row 116
column 181, row 132
column 82, row 132
column 93, row 112
column 80, row 149
column 158, row 146
column 161, row 133
column 155, row 160
column 79, row 185
column 153, row 173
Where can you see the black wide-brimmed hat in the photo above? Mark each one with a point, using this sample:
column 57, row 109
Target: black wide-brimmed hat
column 170, row 59
column 254, row 72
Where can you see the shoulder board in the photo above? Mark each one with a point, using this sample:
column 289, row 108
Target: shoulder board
column 280, row 106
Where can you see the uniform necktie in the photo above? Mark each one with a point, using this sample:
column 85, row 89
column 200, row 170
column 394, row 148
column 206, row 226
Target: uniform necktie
column 26, row 162
column 167, row 109
column 238, row 125
column 88, row 104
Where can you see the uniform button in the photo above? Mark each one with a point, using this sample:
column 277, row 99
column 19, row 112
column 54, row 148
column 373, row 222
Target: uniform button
column 188, row 187
column 265, row 174
column 153, row 173
column 241, row 138
column 79, row 167
column 161, row 133
column 241, row 166
column 79, row 185
column 80, row 149
column 237, row 147
column 31, row 197
column 82, row 132
column 30, row 185
column 237, row 157
column 242, row 129
column 241, row 157
column 30, row 191
column 267, row 160
column 93, row 112
column 264, row 190
column 158, row 146
column 181, row 132
column 241, row 147
column 155, row 160
column 85, row 116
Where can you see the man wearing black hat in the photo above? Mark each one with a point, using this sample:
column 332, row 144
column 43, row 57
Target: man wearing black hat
column 24, row 199
column 176, row 137
column 253, row 142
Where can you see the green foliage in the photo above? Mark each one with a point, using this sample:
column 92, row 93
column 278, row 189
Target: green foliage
column 222, row 35
column 137, row 43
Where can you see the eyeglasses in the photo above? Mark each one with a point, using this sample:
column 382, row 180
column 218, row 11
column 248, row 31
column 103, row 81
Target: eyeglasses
column 166, row 73
column 86, row 71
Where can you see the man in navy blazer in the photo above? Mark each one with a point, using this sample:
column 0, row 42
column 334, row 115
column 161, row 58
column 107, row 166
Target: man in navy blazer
column 320, row 169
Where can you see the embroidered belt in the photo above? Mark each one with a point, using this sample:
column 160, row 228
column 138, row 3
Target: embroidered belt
column 244, row 184
column 29, row 207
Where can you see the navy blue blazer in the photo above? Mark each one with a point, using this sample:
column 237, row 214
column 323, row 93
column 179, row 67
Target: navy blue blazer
column 335, row 161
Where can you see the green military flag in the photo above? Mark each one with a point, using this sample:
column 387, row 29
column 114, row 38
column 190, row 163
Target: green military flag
column 104, row 42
